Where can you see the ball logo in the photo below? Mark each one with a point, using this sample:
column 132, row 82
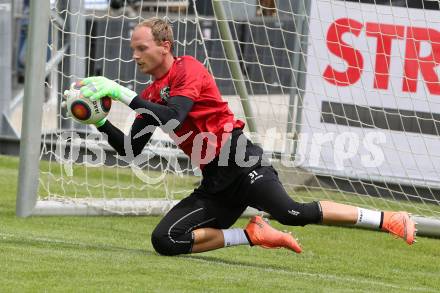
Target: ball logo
column 80, row 110
column 95, row 107
column 106, row 104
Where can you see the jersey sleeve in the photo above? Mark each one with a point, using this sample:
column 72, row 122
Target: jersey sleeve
column 188, row 79
column 143, row 95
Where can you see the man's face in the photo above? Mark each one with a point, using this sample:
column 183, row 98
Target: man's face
column 148, row 55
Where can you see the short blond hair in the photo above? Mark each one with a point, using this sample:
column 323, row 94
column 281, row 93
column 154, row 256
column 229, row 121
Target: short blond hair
column 161, row 30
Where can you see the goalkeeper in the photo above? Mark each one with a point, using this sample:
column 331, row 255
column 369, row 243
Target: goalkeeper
column 184, row 99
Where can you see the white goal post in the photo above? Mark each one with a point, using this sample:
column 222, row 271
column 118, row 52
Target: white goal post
column 342, row 95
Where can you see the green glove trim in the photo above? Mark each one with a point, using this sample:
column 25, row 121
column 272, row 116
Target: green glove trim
column 101, row 122
column 97, row 87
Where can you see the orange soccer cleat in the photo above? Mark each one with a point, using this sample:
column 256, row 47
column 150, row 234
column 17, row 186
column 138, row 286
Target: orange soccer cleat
column 262, row 234
column 400, row 225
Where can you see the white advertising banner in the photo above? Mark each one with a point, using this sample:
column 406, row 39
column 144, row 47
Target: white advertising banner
column 372, row 103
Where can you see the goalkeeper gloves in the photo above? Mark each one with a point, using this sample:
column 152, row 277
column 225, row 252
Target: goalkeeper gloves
column 64, row 106
column 97, row 87
column 101, row 122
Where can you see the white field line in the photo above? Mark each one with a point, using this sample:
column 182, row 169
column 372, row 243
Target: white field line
column 329, row 277
column 314, row 275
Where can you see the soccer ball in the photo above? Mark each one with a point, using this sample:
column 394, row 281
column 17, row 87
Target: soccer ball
column 84, row 110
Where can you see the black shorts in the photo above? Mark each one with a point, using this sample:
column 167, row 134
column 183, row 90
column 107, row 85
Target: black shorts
column 260, row 188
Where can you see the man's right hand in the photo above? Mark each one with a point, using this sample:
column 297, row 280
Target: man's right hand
column 97, row 87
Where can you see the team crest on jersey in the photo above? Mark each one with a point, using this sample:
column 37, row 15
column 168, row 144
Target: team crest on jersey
column 165, row 93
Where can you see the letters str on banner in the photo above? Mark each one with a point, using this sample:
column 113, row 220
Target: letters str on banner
column 372, row 104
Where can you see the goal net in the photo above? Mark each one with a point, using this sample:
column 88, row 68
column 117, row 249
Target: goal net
column 342, row 95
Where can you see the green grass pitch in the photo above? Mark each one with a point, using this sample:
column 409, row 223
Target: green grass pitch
column 114, row 254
